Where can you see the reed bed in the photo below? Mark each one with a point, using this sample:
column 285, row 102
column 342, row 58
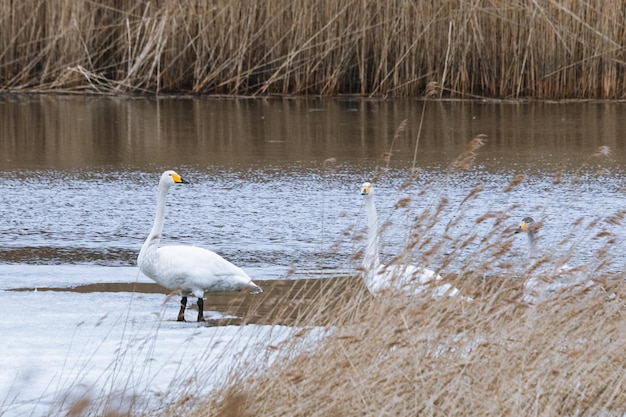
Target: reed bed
column 495, row 354
column 492, row 357
column 515, row 48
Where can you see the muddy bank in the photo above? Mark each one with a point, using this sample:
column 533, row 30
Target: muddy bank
column 285, row 302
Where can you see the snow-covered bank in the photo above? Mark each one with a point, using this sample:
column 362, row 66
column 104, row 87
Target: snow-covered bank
column 116, row 350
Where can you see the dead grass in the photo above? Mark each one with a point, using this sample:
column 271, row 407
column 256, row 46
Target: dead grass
column 510, row 49
column 495, row 355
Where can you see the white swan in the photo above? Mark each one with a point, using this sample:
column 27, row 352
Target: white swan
column 406, row 278
column 187, row 269
column 545, row 284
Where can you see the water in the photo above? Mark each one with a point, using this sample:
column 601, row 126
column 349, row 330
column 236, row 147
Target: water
column 274, row 184
column 274, row 188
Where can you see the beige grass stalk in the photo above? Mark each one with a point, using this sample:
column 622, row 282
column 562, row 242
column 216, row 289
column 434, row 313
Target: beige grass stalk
column 492, row 357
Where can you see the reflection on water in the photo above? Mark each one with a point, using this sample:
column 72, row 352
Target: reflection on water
column 88, row 133
column 80, row 174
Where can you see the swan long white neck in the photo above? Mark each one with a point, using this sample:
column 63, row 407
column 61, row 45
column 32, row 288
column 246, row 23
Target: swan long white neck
column 151, row 244
column 532, row 246
column 157, row 227
column 371, row 260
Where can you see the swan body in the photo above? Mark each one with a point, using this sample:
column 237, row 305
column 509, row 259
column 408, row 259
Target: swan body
column 408, row 279
column 190, row 270
column 564, row 278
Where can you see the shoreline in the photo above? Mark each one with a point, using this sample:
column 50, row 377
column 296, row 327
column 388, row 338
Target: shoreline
column 282, row 302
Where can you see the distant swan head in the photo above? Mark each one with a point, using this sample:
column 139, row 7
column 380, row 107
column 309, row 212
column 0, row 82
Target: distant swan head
column 530, row 227
column 170, row 178
column 527, row 225
column 366, row 189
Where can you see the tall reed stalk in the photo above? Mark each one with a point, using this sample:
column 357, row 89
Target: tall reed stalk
column 510, row 49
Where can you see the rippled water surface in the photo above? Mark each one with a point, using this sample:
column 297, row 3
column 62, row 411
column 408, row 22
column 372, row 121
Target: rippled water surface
column 274, row 184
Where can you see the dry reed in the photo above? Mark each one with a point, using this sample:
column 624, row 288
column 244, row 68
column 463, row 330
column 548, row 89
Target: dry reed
column 510, row 49
column 495, row 355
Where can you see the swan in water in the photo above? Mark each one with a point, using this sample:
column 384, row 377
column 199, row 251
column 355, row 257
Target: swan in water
column 551, row 282
column 187, row 269
column 406, row 278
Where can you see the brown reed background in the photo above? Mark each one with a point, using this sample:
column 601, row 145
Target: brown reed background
column 503, row 49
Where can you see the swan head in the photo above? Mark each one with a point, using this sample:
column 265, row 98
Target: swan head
column 366, row 189
column 526, row 226
column 170, row 178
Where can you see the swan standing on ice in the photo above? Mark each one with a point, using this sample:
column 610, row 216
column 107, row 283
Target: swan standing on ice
column 187, row 269
column 406, row 278
column 539, row 288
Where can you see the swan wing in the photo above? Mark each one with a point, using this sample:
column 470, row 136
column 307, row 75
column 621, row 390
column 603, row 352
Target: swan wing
column 420, row 278
column 197, row 270
column 569, row 281
column 409, row 279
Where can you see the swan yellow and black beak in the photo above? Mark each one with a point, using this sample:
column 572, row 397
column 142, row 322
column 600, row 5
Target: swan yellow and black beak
column 178, row 179
column 524, row 225
column 366, row 188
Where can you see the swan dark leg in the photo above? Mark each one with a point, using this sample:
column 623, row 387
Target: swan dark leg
column 200, row 309
column 181, row 313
